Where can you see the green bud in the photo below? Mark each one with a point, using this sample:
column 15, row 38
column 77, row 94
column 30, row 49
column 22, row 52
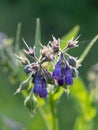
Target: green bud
column 31, row 102
column 24, row 85
column 24, row 61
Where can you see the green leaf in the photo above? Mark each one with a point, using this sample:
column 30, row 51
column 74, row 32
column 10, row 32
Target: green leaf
column 72, row 34
column 37, row 37
column 18, row 32
column 11, row 106
column 83, row 102
column 80, row 124
column 58, row 94
column 87, row 49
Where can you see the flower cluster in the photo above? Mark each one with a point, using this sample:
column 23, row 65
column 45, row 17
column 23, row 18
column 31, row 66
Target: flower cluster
column 63, row 72
column 65, row 66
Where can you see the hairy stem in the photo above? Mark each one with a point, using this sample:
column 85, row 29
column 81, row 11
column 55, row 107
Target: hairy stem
column 53, row 112
column 42, row 114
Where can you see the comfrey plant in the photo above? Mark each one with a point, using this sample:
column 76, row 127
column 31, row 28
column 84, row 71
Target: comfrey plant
column 64, row 66
column 50, row 71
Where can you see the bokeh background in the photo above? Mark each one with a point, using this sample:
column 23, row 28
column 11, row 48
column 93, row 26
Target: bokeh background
column 57, row 18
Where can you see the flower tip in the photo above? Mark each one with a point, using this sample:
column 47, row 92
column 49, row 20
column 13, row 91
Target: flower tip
column 60, row 82
column 68, row 80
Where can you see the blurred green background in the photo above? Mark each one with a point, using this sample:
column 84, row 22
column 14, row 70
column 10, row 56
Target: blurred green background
column 57, row 18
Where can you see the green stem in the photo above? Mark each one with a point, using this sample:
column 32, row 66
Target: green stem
column 53, row 112
column 42, row 114
column 85, row 52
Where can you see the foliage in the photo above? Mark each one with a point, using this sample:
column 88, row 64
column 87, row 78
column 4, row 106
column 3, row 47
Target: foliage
column 47, row 108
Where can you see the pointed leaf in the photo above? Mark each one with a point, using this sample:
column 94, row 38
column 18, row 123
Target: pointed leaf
column 82, row 100
column 18, row 32
column 88, row 48
column 58, row 94
column 37, row 37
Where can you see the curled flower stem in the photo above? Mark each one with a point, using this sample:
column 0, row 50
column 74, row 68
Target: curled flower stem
column 53, row 112
column 85, row 52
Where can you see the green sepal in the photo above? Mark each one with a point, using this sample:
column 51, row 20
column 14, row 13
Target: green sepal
column 24, row 85
column 31, row 102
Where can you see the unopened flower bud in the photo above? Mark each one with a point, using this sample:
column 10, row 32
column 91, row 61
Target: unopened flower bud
column 30, row 52
column 46, row 51
column 72, row 43
column 31, row 68
column 31, row 102
column 55, row 44
column 50, row 57
column 75, row 73
column 24, row 61
column 72, row 61
column 24, row 85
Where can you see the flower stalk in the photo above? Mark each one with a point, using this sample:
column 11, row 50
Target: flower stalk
column 42, row 114
column 53, row 112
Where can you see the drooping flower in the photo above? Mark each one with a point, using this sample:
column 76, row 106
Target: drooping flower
column 68, row 76
column 37, row 84
column 40, row 86
column 43, row 92
column 58, row 71
column 72, row 61
column 60, row 81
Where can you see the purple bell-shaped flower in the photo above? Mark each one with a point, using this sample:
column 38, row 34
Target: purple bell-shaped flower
column 37, row 84
column 58, row 73
column 43, row 92
column 68, row 76
column 60, row 81
column 40, row 86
